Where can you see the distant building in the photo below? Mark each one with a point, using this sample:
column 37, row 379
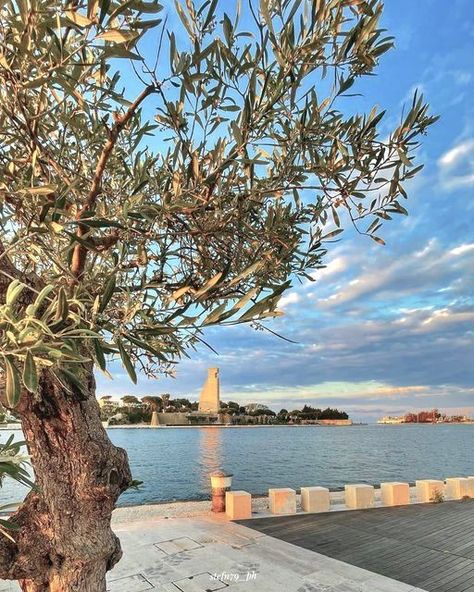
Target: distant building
column 426, row 416
column 108, row 405
column 388, row 419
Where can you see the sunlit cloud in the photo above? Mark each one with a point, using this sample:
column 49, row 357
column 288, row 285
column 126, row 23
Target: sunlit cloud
column 396, row 277
column 335, row 266
column 456, row 166
column 462, row 249
column 455, row 155
column 290, row 298
column 324, row 392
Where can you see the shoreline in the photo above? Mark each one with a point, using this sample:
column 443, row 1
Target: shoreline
column 229, row 426
column 17, row 427
column 274, row 425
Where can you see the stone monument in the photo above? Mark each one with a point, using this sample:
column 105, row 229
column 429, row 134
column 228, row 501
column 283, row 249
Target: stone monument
column 209, row 399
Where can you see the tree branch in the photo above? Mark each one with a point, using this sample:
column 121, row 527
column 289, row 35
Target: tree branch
column 80, row 251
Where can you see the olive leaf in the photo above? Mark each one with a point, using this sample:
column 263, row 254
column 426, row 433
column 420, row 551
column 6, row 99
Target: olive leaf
column 127, row 362
column 12, row 382
column 30, row 373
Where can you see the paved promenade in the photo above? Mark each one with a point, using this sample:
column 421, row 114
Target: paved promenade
column 207, row 553
column 425, row 545
column 200, row 552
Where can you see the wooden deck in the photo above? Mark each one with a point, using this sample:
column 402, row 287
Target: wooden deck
column 430, row 546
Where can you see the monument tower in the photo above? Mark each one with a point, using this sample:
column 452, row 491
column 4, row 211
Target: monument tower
column 209, row 399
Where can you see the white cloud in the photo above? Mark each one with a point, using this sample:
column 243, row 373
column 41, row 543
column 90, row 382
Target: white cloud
column 290, row 298
column 452, row 157
column 325, row 391
column 459, row 181
column 336, row 265
column 396, row 277
column 456, row 166
column 462, row 249
column 461, row 77
column 445, row 316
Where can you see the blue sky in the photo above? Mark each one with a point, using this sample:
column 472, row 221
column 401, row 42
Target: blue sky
column 382, row 330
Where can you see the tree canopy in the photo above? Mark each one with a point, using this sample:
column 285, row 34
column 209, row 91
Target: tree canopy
column 153, row 402
column 127, row 236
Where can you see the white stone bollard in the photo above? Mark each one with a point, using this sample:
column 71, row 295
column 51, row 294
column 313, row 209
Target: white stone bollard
column 315, row 499
column 395, row 493
column 238, row 505
column 428, row 489
column 457, row 487
column 470, row 486
column 359, row 496
column 282, row 501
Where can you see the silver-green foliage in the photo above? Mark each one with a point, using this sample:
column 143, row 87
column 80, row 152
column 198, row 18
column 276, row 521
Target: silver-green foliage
column 12, row 465
column 129, row 234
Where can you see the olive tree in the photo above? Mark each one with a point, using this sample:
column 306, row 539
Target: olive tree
column 123, row 235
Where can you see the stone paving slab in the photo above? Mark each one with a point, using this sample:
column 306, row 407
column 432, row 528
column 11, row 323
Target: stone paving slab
column 137, row 583
column 177, row 545
column 235, row 558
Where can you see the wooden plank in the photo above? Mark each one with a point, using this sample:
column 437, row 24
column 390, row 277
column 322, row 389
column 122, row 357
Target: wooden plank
column 453, row 576
column 425, row 545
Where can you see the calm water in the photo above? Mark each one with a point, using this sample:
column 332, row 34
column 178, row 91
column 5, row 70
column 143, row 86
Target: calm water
column 175, row 463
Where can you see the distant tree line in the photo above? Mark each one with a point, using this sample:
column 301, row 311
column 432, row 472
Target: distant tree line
column 309, row 412
column 134, row 410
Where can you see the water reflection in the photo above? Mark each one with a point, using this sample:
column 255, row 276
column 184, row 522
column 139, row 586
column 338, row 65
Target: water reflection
column 209, row 453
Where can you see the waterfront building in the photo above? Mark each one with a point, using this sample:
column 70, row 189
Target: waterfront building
column 391, row 420
column 108, row 405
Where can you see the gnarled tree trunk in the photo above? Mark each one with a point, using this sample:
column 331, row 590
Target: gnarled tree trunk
column 65, row 542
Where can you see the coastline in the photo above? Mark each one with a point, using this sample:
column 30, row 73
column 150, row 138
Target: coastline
column 275, row 425
column 228, row 426
column 17, row 427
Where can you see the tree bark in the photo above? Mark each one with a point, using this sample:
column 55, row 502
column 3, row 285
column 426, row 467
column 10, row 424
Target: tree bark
column 65, row 542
